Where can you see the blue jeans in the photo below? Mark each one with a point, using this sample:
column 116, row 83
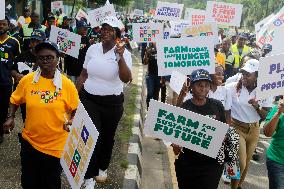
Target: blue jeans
column 153, row 87
column 275, row 174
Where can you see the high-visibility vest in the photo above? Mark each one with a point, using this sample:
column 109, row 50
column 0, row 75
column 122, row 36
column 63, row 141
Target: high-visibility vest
column 28, row 31
column 237, row 56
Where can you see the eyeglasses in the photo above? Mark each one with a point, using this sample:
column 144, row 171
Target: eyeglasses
column 48, row 59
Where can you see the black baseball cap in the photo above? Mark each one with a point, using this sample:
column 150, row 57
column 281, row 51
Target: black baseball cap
column 81, row 24
column 47, row 45
column 38, row 35
column 199, row 75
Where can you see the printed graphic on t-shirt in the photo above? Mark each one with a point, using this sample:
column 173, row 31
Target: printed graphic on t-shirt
column 47, row 97
column 211, row 116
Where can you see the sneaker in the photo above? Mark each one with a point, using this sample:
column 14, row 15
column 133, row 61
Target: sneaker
column 89, row 184
column 226, row 179
column 102, row 176
column 255, row 156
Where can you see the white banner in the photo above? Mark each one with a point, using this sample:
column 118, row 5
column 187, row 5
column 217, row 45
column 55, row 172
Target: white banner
column 97, row 15
column 195, row 16
column 185, row 128
column 226, row 14
column 271, row 80
column 168, row 11
column 185, row 55
column 178, row 26
column 2, row 9
column 207, row 29
column 277, row 43
column 56, row 5
column 266, row 33
column 261, row 23
column 82, row 14
column 138, row 12
column 79, row 148
column 177, row 81
column 68, row 42
column 147, row 32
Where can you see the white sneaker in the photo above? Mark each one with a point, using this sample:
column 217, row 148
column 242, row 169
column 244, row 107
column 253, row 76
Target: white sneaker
column 89, row 184
column 101, row 178
column 226, row 179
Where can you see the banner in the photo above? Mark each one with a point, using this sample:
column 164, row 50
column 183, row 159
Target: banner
column 2, row 9
column 97, row 15
column 56, row 5
column 79, row 148
column 68, row 42
column 177, row 80
column 266, row 33
column 178, row 26
column 138, row 12
column 195, row 16
column 261, row 23
column 82, row 14
column 207, row 29
column 147, row 32
column 224, row 13
column 168, row 11
column 185, row 55
column 185, row 128
column 271, row 82
column 277, row 43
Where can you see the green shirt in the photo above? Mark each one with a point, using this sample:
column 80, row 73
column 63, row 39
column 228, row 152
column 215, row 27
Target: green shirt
column 275, row 152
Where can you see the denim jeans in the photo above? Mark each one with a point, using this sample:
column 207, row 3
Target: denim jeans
column 153, row 87
column 275, row 174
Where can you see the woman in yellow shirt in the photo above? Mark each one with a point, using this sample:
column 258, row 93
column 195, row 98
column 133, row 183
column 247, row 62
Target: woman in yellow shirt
column 50, row 99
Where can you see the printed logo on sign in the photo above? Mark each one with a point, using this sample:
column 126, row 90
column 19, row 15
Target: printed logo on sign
column 85, row 134
column 146, row 34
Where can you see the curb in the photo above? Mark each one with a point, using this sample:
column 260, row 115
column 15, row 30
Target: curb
column 133, row 174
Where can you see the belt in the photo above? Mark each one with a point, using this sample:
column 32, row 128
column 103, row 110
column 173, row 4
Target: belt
column 244, row 127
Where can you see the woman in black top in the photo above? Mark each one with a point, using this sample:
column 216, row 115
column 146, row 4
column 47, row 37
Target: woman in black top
column 195, row 170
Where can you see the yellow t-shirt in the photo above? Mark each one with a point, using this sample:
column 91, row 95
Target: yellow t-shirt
column 220, row 59
column 46, row 112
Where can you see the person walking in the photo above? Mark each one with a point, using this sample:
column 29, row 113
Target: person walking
column 107, row 66
column 192, row 167
column 274, row 128
column 50, row 98
column 9, row 50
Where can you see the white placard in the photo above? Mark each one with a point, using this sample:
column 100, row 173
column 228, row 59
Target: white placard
column 147, row 32
column 261, row 23
column 79, row 148
column 24, row 67
column 56, row 5
column 266, row 33
column 138, row 12
column 277, row 43
column 206, row 29
column 195, row 16
column 185, row 128
column 185, row 55
column 271, row 77
column 168, row 11
column 226, row 14
column 97, row 15
column 178, row 26
column 82, row 14
column 68, row 42
column 177, row 81
column 2, row 9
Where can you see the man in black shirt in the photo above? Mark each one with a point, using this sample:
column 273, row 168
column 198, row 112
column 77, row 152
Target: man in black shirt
column 9, row 49
column 72, row 65
column 152, row 78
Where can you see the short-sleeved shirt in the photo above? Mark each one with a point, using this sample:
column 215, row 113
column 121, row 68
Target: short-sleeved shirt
column 9, row 49
column 46, row 112
column 275, row 152
column 103, row 71
column 243, row 111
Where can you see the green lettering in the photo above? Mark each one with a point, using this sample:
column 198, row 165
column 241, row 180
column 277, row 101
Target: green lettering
column 199, row 62
column 205, row 144
column 178, row 56
column 195, row 140
column 162, row 113
column 158, row 127
column 171, row 117
column 190, row 123
column 185, row 136
column 171, row 50
column 183, row 63
column 177, row 132
column 193, row 63
column 184, row 49
column 177, row 49
column 166, row 50
column 168, row 131
column 181, row 119
column 176, row 64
